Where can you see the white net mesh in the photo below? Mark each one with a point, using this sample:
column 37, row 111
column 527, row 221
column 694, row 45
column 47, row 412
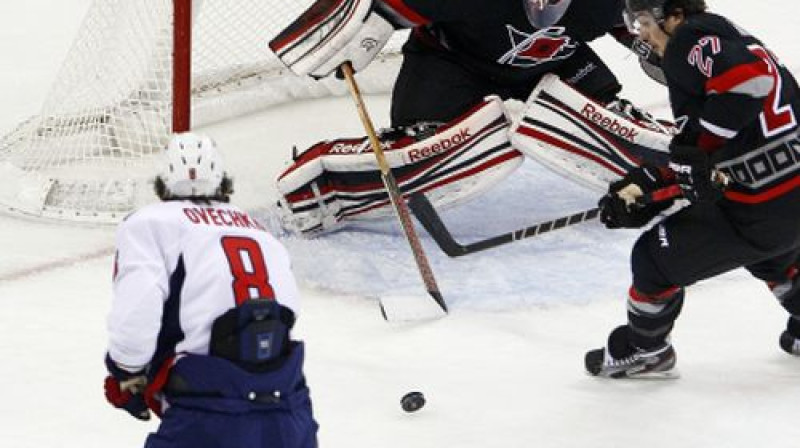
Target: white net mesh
column 88, row 155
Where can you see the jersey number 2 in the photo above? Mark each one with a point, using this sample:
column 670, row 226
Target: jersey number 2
column 250, row 276
column 775, row 118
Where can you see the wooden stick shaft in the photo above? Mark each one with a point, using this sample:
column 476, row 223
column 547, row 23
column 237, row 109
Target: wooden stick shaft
column 395, row 196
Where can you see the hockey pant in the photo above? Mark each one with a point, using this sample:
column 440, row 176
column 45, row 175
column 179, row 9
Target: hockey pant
column 338, row 181
column 700, row 242
column 585, row 141
column 215, row 404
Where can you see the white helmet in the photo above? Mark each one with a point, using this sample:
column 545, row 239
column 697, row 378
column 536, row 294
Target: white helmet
column 192, row 167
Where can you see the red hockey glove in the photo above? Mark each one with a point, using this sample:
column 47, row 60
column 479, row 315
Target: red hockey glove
column 125, row 390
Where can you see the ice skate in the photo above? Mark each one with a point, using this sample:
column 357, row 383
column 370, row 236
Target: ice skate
column 620, row 359
column 789, row 343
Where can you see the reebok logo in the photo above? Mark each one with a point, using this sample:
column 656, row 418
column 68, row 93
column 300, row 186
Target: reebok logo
column 424, row 152
column 349, row 148
column 610, row 124
column 588, row 68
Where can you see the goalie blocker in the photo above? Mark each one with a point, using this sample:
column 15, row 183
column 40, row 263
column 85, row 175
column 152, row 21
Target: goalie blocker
column 339, row 180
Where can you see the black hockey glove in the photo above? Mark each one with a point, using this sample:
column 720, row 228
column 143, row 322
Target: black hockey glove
column 125, row 390
column 695, row 175
column 619, row 207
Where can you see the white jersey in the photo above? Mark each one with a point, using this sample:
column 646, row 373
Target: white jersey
column 179, row 265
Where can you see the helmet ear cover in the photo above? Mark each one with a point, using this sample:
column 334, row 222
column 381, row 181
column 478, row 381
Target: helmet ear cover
column 223, row 195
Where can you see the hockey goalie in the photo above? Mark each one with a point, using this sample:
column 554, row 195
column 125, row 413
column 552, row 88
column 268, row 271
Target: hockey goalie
column 452, row 135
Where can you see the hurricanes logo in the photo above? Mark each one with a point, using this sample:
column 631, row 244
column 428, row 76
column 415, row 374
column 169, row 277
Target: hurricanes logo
column 530, row 50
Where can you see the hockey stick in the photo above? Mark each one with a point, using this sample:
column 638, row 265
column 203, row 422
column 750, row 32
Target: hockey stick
column 396, row 198
column 434, row 225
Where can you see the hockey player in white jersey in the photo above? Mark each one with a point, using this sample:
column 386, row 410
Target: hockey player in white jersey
column 203, row 303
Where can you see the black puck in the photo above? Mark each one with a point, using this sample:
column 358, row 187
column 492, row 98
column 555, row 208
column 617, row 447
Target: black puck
column 412, row 401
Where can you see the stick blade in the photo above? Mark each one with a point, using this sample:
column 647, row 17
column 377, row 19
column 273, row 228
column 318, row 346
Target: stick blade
column 410, row 308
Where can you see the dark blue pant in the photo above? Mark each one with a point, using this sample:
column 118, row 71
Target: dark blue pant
column 219, row 405
column 193, row 428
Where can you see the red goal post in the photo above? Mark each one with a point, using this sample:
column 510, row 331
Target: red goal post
column 137, row 71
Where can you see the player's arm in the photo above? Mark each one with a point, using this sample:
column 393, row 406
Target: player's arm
column 734, row 80
column 140, row 288
column 332, row 32
column 735, row 83
column 423, row 12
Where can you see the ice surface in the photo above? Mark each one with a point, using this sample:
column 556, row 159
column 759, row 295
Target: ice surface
column 504, row 369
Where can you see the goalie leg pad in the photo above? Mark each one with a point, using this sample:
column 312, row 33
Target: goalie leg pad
column 583, row 140
column 339, row 180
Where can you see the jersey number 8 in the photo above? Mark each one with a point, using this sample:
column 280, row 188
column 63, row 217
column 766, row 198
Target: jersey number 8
column 249, row 271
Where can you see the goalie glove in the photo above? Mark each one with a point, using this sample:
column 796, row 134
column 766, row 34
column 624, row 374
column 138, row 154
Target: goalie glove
column 125, row 390
column 330, row 33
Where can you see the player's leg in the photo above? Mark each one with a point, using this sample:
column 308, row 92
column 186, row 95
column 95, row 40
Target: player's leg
column 338, row 181
column 431, row 86
column 448, row 140
column 782, row 276
column 694, row 244
column 219, row 403
column 574, row 124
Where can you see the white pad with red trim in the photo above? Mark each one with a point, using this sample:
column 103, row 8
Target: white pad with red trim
column 583, row 140
column 330, row 33
column 339, row 180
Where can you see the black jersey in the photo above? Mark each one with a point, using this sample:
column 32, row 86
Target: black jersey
column 495, row 37
column 723, row 81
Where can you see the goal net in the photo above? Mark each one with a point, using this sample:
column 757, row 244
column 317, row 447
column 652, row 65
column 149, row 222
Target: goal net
column 88, row 155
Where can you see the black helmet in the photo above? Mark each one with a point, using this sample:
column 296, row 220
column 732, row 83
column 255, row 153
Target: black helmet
column 660, row 9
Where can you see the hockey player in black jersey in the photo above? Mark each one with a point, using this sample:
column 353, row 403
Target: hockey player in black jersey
column 460, row 61
column 737, row 162
column 458, row 54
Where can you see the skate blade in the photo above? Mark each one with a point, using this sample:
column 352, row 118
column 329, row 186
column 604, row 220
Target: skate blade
column 656, row 376
column 665, row 375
